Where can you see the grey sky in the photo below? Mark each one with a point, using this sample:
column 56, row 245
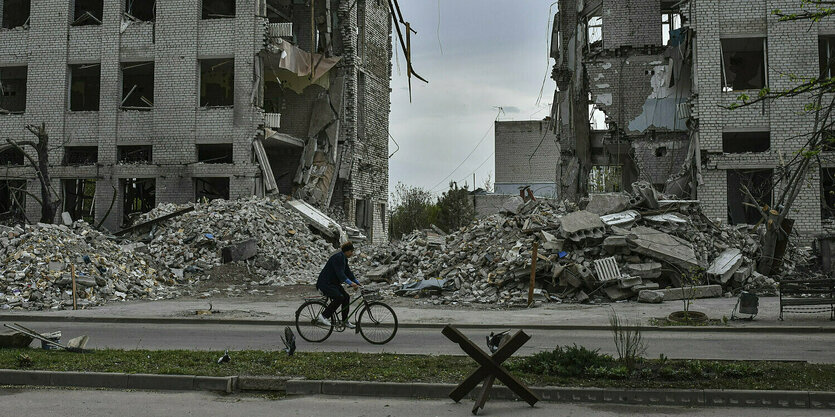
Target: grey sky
column 494, row 54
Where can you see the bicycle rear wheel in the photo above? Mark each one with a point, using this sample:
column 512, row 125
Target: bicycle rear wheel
column 307, row 326
column 377, row 323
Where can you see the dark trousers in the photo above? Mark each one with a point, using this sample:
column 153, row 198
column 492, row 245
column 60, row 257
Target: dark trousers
column 338, row 296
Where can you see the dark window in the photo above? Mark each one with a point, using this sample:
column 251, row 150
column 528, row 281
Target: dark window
column 364, row 214
column 828, row 193
column 218, row 9
column 361, row 106
column 15, row 13
column 13, row 89
column 660, row 151
column 743, row 64
column 211, row 188
column 144, row 10
column 138, row 85
column 12, row 198
column 88, row 12
column 135, row 154
column 217, row 82
column 279, row 11
column 742, row 142
column 10, row 155
column 81, row 155
column 79, row 199
column 139, row 197
column 85, row 86
column 827, row 140
column 759, row 183
column 220, row 153
column 826, row 55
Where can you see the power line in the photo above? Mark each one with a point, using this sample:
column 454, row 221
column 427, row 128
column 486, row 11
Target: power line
column 492, row 124
column 479, row 166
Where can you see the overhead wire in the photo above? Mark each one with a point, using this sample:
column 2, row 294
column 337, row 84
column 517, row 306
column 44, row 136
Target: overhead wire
column 549, row 33
column 492, row 124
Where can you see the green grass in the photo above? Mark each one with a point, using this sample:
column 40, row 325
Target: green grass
column 430, row 368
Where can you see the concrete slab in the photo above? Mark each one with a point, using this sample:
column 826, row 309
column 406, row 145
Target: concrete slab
column 649, row 270
column 581, row 225
column 622, row 219
column 606, row 203
column 663, row 247
column 240, row 251
column 699, row 291
column 725, row 265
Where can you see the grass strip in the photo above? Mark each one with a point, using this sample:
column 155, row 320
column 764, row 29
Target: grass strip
column 658, row 373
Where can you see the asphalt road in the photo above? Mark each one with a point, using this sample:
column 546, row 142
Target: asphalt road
column 815, row 347
column 52, row 402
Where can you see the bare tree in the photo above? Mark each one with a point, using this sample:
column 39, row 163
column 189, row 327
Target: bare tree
column 49, row 199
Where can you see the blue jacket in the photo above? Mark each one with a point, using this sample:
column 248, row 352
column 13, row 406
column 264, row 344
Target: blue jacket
column 336, row 272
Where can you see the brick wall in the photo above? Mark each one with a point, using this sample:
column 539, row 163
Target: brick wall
column 527, row 152
column 631, row 23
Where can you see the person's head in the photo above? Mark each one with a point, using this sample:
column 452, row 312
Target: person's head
column 348, row 249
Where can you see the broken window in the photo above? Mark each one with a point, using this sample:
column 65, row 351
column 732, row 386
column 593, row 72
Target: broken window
column 216, row 153
column 12, row 198
column 828, row 193
column 85, row 86
column 79, row 199
column 364, row 213
column 218, row 9
column 279, row 11
column 15, row 13
column 81, row 155
column 742, row 142
column 88, row 12
column 139, row 196
column 744, row 63
column 826, row 55
column 138, row 85
column 827, row 141
column 135, row 154
column 669, row 23
column 13, row 89
column 217, row 81
column 605, row 179
column 211, row 188
column 594, row 32
column 10, row 155
column 144, row 10
column 361, row 10
column 759, row 183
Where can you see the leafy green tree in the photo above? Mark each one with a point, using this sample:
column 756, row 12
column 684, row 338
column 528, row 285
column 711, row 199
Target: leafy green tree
column 455, row 208
column 412, row 209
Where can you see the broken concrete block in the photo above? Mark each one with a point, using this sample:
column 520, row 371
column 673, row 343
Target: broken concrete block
column 724, row 266
column 581, row 225
column 570, row 280
column 66, row 218
column 581, row 297
column 616, row 294
column 240, row 251
column 85, row 282
column 650, row 296
column 661, row 246
column 616, row 245
column 650, row 270
column 55, row 266
column 381, row 273
column 645, row 285
column 607, row 203
column 512, row 205
column 699, row 291
column 629, row 282
column 622, row 219
column 742, row 274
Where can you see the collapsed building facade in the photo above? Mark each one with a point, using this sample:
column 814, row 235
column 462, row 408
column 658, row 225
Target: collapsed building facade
column 148, row 102
column 662, row 74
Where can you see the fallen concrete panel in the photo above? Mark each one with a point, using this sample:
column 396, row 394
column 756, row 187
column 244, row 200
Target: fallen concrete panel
column 623, row 218
column 582, row 225
column 650, row 270
column 723, row 267
column 699, row 291
column 661, row 246
column 240, row 251
column 317, row 219
column 607, row 203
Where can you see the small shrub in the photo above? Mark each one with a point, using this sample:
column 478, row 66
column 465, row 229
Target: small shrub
column 565, row 360
column 24, row 361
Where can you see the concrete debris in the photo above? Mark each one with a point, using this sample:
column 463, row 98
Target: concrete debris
column 663, row 247
column 698, row 291
column 608, row 203
column 650, row 296
column 623, row 219
column 725, row 265
column 241, row 251
column 582, row 225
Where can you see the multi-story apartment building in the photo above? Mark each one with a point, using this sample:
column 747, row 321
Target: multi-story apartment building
column 147, row 102
column 663, row 74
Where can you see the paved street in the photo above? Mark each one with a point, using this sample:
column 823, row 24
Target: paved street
column 675, row 344
column 51, row 402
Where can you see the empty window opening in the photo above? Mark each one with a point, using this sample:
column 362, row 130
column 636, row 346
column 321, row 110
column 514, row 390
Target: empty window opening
column 827, row 141
column 759, row 183
column 669, row 23
column 361, row 106
column 218, row 9
column 85, row 86
column 217, row 81
column 144, row 10
column 81, row 155
column 13, row 89
column 12, row 198
column 828, row 193
column 273, row 95
column 135, row 154
column 364, row 214
column 826, row 55
column 742, row 142
column 138, row 85
column 220, row 153
column 660, row 151
column 605, row 179
column 279, row 11
column 80, row 199
column 15, row 13
column 594, row 32
column 88, row 12
column 211, row 188
column 139, row 197
column 10, row 155
column 744, row 63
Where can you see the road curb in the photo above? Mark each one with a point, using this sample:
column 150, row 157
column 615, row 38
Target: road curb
column 647, row 397
column 277, row 323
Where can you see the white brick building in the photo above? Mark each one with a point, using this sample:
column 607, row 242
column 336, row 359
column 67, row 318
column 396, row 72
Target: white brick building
column 527, row 154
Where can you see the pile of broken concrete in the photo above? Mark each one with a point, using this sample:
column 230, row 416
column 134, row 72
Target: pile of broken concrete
column 642, row 246
column 37, row 264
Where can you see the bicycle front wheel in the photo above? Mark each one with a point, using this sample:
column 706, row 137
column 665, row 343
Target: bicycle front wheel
column 377, row 323
column 307, row 326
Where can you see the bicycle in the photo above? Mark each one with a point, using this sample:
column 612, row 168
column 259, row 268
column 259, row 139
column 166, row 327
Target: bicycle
column 376, row 321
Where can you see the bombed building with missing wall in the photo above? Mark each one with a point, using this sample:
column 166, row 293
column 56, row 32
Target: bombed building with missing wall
column 152, row 101
column 658, row 77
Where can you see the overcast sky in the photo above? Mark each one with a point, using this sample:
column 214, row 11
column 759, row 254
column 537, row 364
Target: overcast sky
column 492, row 53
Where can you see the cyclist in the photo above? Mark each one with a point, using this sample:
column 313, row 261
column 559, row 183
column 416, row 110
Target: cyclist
column 333, row 275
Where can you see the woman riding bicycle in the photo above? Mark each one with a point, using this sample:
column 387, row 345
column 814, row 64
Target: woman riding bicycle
column 333, row 275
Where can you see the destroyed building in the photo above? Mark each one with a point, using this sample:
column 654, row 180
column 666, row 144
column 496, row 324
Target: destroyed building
column 660, row 73
column 149, row 102
column 525, row 155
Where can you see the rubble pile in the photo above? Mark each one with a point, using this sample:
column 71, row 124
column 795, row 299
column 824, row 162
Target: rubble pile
column 619, row 246
column 35, row 268
column 191, row 244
